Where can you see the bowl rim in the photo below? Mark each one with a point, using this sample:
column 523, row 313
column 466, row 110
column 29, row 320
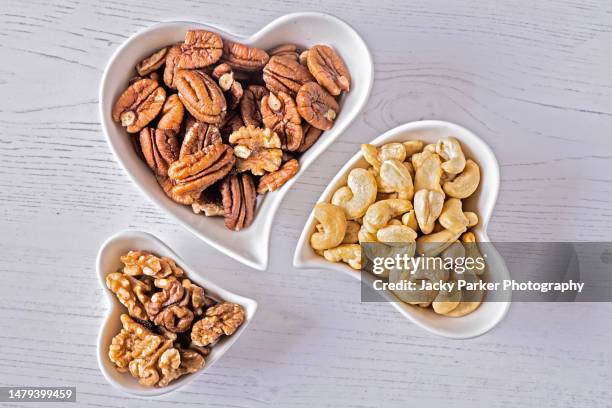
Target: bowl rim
column 300, row 260
column 258, row 262
column 250, row 307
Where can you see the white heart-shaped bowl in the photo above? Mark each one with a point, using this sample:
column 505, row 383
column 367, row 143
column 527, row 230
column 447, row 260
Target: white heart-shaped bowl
column 482, row 202
column 108, row 261
column 249, row 246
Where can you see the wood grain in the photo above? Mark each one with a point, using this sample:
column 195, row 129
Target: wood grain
column 531, row 78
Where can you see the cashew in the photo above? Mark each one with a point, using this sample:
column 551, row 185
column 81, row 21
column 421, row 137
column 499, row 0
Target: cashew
column 364, row 236
column 395, row 176
column 472, row 251
column 450, row 150
column 465, row 183
column 355, row 202
column 472, row 218
column 410, row 169
column 430, row 148
column 432, row 269
column 385, row 196
column 447, row 300
column 428, row 170
column 409, row 219
column 455, row 251
column 347, row 253
column 427, row 206
column 331, row 227
column 413, row 146
column 433, row 244
column 452, row 216
column 350, row 236
column 470, row 299
column 415, row 296
column 394, row 221
column 390, row 151
column 370, row 154
column 379, row 213
column 396, row 233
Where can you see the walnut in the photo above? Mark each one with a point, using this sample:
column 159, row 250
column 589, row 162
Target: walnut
column 197, row 296
column 174, row 363
column 133, row 341
column 175, row 318
column 140, row 262
column 258, row 150
column 224, row 318
column 175, row 306
column 273, row 181
column 132, row 293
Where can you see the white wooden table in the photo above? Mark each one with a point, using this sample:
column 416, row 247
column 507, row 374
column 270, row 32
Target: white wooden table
column 534, row 79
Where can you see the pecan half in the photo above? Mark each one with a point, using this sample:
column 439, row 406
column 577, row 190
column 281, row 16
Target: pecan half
column 200, row 49
column 250, row 105
column 209, row 203
column 273, row 181
column 152, row 62
column 283, row 74
column 172, row 56
column 243, row 57
column 258, row 150
column 329, row 69
column 172, row 114
column 167, row 186
column 316, row 106
column 280, row 114
column 201, row 96
column 224, row 74
column 193, row 173
column 286, row 50
column 160, row 149
column 239, row 200
column 198, row 135
column 139, row 104
column 311, row 135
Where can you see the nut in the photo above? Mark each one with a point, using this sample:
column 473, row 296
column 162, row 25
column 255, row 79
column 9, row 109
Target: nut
column 172, row 114
column 358, row 195
column 428, row 206
column 224, row 318
column 351, row 236
column 250, row 105
column 138, row 105
column 273, row 181
column 126, row 288
column 347, row 253
column 239, row 200
column 286, row 50
column 316, row 106
column 224, row 74
column 331, row 228
column 409, row 219
column 152, row 62
column 198, row 135
column 450, row 150
column 258, row 150
column 243, row 57
column 133, row 341
column 465, row 183
column 379, row 213
column 201, row 96
column 138, row 263
column 311, row 135
column 175, row 318
column 230, row 124
column 428, row 171
column 193, row 173
column 160, row 148
column 200, row 49
column 208, row 203
column 412, row 147
column 472, row 251
column 434, row 244
column 328, row 69
column 452, row 217
column 287, row 75
column 396, row 177
column 396, row 233
column 172, row 56
column 167, row 186
column 279, row 113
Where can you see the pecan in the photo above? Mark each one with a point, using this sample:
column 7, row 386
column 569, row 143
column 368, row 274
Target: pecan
column 167, row 186
column 160, row 149
column 172, row 56
column 200, row 49
column 156, row 76
column 329, row 69
column 243, row 57
column 201, row 96
column 283, row 74
column 286, row 50
column 311, row 135
column 316, row 106
column 139, row 104
column 303, row 58
column 198, row 135
column 251, row 103
column 224, row 74
column 273, row 181
column 280, row 114
column 258, row 150
column 152, row 62
column 239, row 200
column 224, row 318
column 172, row 114
column 208, row 203
column 193, row 173
column 232, row 123
column 132, row 293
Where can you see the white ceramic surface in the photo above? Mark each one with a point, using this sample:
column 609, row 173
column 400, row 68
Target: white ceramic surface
column 482, row 202
column 108, row 261
column 250, row 246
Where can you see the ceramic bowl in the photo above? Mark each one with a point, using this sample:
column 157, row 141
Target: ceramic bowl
column 250, row 246
column 482, row 202
column 108, row 261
